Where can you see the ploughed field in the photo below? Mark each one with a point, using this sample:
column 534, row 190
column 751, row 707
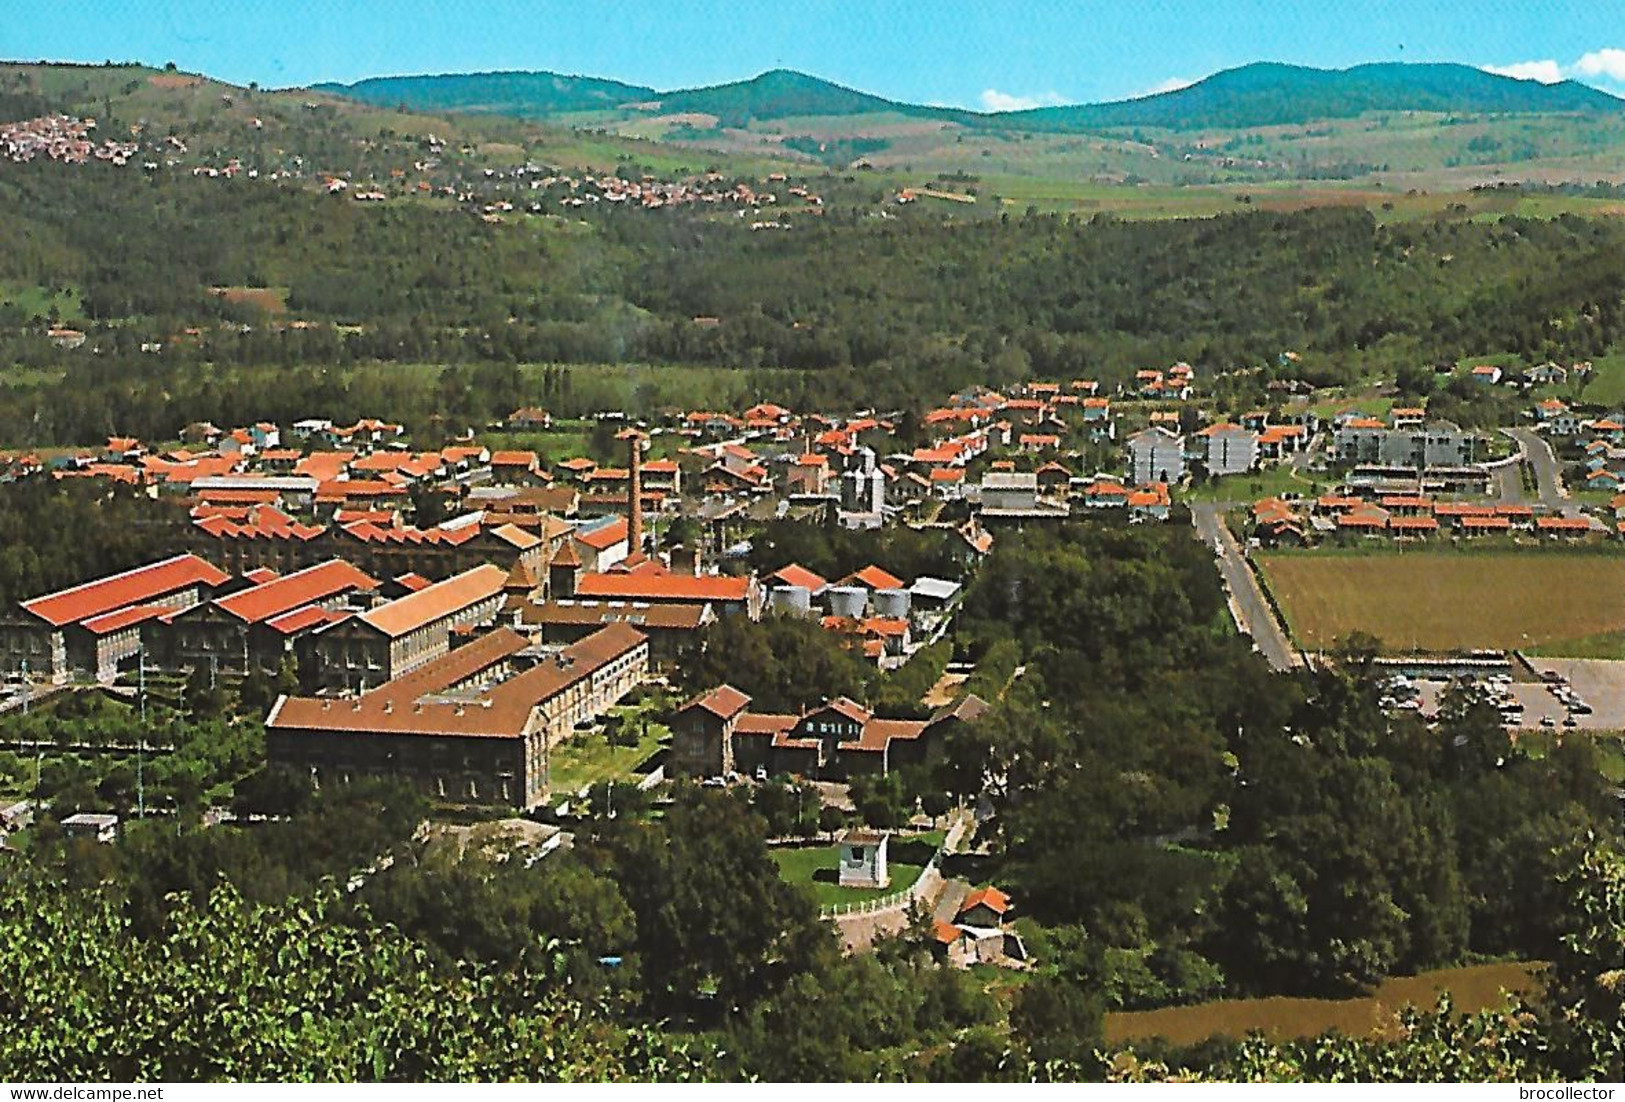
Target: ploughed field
column 1446, row 601
column 1472, row 988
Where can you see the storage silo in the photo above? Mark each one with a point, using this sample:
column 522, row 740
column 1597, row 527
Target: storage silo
column 791, row 598
column 892, row 603
column 846, row 600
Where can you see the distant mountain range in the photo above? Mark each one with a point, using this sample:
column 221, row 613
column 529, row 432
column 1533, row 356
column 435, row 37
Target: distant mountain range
column 1261, row 94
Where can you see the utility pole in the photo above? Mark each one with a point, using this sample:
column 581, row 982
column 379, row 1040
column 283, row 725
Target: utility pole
column 141, row 735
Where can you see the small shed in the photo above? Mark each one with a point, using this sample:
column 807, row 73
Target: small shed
column 103, row 828
column 15, row 816
column 863, row 859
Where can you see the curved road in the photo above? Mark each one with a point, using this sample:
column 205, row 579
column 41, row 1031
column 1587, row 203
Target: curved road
column 1548, row 474
column 1248, row 604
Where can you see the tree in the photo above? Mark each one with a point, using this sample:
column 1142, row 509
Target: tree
column 716, row 926
column 235, row 991
column 1059, row 1023
column 1586, row 994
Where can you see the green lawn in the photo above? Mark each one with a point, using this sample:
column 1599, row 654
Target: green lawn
column 1371, row 405
column 1256, row 485
column 815, row 867
column 1606, row 387
column 589, row 759
column 38, row 301
column 1606, row 645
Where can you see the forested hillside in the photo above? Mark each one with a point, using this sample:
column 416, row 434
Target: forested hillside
column 850, row 308
column 1271, row 94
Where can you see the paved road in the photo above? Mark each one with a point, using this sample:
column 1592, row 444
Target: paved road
column 1247, row 602
column 1508, row 484
column 1548, row 475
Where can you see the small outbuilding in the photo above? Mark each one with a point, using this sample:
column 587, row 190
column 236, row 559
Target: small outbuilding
column 102, row 828
column 863, row 859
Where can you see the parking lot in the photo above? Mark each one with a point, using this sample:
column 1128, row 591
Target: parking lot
column 1595, row 701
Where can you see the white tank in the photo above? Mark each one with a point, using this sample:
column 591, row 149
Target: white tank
column 791, row 598
column 892, row 603
column 846, row 600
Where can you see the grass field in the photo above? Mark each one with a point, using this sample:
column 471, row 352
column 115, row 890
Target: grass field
column 1472, row 988
column 589, row 759
column 39, row 302
column 1440, row 600
column 1608, row 645
column 1606, row 386
column 815, row 866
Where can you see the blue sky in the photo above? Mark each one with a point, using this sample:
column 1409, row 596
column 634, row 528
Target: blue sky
column 984, row 54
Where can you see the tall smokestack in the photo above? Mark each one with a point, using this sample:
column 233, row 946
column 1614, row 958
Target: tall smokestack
column 634, row 491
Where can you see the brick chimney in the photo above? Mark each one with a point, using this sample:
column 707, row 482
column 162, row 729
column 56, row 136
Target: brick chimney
column 634, row 491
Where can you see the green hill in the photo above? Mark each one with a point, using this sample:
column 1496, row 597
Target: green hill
column 1262, row 94
column 1271, row 94
column 522, row 94
column 780, row 94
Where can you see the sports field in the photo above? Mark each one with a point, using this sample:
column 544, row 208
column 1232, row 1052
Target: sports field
column 1443, row 601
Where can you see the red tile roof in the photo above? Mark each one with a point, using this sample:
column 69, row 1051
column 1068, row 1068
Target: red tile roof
column 724, row 702
column 123, row 618
column 991, row 897
column 668, row 587
column 875, row 578
column 308, row 586
column 137, row 586
column 407, row 614
column 796, row 574
column 602, row 539
column 404, row 707
column 302, row 619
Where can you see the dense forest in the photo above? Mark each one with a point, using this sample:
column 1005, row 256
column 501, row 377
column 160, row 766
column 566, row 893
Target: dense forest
column 850, row 309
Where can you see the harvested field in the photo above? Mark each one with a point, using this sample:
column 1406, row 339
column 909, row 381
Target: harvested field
column 269, row 299
column 1471, row 988
column 1446, row 601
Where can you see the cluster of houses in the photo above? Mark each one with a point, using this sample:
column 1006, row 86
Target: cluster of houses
column 1410, row 515
column 1595, row 445
column 650, row 193
column 60, row 138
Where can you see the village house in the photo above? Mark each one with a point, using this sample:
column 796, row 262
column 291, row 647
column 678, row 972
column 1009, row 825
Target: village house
column 529, row 419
